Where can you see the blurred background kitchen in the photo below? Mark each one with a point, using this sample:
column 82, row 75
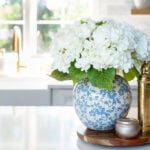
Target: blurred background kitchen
column 26, row 31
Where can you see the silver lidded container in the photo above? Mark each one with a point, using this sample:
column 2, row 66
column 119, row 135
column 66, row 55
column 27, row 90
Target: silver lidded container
column 127, row 128
column 142, row 4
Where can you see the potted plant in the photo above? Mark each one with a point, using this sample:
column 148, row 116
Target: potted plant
column 90, row 54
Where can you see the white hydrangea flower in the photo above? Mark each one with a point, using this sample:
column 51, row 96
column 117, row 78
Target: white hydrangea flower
column 143, row 47
column 83, row 30
column 109, row 45
column 65, row 49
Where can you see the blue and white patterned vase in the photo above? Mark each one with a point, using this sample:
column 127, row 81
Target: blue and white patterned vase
column 98, row 109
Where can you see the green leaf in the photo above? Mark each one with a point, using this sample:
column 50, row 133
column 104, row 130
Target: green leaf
column 76, row 74
column 132, row 73
column 60, row 75
column 99, row 23
column 83, row 21
column 102, row 79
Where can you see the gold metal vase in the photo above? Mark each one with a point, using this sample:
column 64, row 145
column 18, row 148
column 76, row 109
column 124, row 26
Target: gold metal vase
column 144, row 98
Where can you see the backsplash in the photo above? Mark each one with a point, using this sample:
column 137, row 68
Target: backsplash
column 120, row 10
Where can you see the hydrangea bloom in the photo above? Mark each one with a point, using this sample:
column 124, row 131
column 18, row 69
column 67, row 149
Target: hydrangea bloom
column 100, row 45
column 108, row 45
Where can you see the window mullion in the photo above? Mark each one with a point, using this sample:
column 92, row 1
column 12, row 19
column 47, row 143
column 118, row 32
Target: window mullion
column 30, row 27
column 11, row 22
column 63, row 14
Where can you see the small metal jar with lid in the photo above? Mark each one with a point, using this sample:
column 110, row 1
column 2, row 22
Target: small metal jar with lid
column 127, row 128
column 144, row 98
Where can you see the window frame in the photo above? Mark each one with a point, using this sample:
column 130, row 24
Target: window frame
column 29, row 27
column 29, row 23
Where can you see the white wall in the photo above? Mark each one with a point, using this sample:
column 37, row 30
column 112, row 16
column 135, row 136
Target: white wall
column 121, row 11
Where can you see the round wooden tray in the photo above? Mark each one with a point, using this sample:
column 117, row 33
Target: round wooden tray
column 109, row 138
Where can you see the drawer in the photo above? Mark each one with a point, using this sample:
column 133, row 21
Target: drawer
column 134, row 97
column 62, row 97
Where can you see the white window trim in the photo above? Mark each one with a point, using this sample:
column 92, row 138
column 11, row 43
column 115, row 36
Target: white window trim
column 30, row 27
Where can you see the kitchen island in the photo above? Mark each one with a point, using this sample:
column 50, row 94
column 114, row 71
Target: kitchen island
column 41, row 91
column 46, row 128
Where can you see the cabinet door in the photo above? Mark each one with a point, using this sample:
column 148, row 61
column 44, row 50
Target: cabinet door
column 24, row 97
column 62, row 97
column 134, row 96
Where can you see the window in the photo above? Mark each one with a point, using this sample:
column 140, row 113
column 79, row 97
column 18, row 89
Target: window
column 11, row 15
column 38, row 21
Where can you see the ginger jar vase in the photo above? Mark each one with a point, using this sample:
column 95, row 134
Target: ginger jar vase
column 98, row 109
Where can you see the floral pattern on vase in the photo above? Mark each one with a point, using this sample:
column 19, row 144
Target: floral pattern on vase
column 98, row 109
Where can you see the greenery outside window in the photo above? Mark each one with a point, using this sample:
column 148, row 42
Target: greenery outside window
column 38, row 21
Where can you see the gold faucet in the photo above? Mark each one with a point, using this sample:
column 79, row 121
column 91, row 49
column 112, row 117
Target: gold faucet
column 17, row 45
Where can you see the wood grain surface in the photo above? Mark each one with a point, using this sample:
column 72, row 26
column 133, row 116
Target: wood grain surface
column 109, row 138
column 140, row 11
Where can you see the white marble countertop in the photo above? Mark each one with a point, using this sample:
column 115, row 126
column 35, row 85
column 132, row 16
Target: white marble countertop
column 46, row 128
column 30, row 82
column 37, row 82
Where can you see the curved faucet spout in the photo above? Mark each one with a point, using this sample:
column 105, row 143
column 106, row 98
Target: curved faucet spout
column 17, row 39
column 17, row 44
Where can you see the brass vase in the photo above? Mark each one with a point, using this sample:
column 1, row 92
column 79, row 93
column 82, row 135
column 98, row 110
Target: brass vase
column 144, row 98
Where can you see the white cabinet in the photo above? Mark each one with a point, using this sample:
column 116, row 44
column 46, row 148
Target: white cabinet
column 24, row 97
column 134, row 95
column 40, row 92
column 61, row 95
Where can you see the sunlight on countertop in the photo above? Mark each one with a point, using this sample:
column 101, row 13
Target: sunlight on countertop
column 34, row 74
column 24, row 82
column 37, row 82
